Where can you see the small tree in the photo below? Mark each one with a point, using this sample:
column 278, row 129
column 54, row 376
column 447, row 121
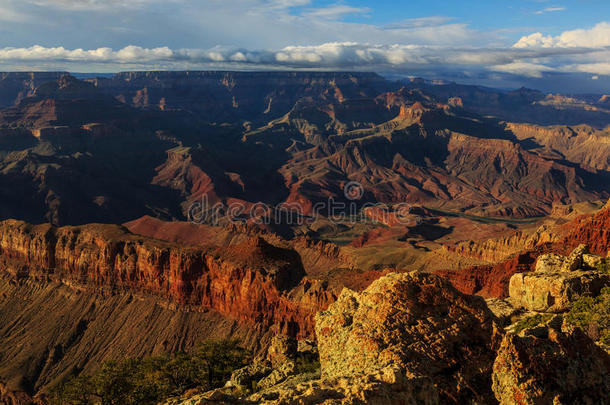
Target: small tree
column 217, row 360
column 593, row 313
column 152, row 379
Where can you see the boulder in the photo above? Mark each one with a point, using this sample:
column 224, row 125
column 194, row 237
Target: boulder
column 549, row 263
column 551, row 366
column 553, row 292
column 246, row 376
column 308, row 347
column 383, row 387
column 502, row 309
column 574, row 261
column 592, row 261
column 283, row 349
column 278, row 375
column 417, row 325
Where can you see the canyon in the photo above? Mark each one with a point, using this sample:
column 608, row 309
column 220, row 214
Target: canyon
column 460, row 193
column 275, row 138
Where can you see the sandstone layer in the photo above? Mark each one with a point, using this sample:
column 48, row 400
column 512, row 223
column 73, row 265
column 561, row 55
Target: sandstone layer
column 254, row 281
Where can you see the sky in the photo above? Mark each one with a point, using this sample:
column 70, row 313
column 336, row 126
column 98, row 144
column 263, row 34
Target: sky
column 551, row 45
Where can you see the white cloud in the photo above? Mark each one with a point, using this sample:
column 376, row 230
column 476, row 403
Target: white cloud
column 523, row 69
column 432, row 21
column 336, row 11
column 596, row 37
column 332, row 55
column 128, row 54
column 206, row 23
column 270, row 34
column 550, row 10
column 594, row 68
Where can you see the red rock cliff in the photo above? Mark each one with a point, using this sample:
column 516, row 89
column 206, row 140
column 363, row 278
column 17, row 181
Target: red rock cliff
column 492, row 280
column 254, row 282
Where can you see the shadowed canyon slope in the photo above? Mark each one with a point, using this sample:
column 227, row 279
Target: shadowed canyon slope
column 152, row 143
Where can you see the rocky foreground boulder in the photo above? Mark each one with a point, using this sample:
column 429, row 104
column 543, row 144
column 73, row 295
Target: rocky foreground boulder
column 551, row 364
column 412, row 338
column 418, row 326
column 557, row 281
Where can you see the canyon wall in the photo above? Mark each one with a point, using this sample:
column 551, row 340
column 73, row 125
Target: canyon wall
column 253, row 282
column 492, row 280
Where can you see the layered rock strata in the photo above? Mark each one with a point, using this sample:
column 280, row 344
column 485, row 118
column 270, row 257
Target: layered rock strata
column 253, row 282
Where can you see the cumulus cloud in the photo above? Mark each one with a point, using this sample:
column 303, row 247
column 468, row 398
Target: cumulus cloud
column 596, row 37
column 128, row 54
column 332, row 55
column 276, row 34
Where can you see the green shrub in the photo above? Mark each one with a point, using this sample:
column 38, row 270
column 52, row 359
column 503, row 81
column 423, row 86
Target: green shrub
column 152, row 379
column 531, row 322
column 593, row 315
column 307, row 363
column 604, row 266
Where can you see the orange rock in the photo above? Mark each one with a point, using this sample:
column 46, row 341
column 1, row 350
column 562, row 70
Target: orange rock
column 254, row 282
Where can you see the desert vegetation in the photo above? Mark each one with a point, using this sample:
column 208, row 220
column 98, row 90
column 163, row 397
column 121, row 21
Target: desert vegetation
column 151, row 379
column 593, row 315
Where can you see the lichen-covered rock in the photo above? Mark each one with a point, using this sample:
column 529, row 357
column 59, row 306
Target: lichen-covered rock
column 549, row 263
column 218, row 396
column 278, row 375
column 417, row 324
column 383, row 387
column 553, row 292
column 307, row 346
column 502, row 309
column 591, row 261
column 283, row 349
column 574, row 260
column 551, row 366
column 246, row 376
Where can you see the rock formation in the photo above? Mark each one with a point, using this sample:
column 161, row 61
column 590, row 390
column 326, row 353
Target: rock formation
column 16, row 86
column 556, row 282
column 490, row 281
column 412, row 338
column 416, row 325
column 550, row 365
column 244, row 291
column 71, row 152
column 500, row 249
column 51, row 329
column 270, row 137
column 251, row 282
column 590, row 230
